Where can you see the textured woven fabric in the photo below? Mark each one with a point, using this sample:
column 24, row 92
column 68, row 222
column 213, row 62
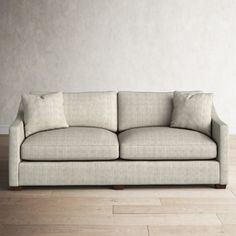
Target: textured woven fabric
column 220, row 134
column 140, row 109
column 161, row 143
column 43, row 112
column 119, row 172
column 91, row 109
column 16, row 137
column 74, row 143
column 192, row 111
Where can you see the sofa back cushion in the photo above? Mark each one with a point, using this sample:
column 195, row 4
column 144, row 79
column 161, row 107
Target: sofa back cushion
column 142, row 109
column 91, row 109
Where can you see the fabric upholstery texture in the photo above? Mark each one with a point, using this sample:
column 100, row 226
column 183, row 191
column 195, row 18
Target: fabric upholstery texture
column 141, row 109
column 161, row 143
column 192, row 111
column 16, row 137
column 43, row 112
column 220, row 134
column 91, row 109
column 102, row 145
column 73, row 143
column 119, row 172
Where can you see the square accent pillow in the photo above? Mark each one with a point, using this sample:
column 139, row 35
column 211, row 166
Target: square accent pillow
column 192, row 110
column 43, row 112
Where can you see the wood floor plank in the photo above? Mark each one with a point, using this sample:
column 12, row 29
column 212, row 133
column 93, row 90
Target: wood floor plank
column 72, row 230
column 72, row 209
column 158, row 192
column 32, row 218
column 102, row 192
column 175, row 209
column 228, row 218
column 197, row 201
column 219, row 230
column 83, row 201
column 234, row 191
column 130, row 193
column 25, row 193
column 55, row 205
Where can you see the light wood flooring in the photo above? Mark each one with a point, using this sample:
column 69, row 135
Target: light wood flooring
column 135, row 211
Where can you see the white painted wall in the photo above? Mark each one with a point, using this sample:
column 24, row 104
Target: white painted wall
column 145, row 45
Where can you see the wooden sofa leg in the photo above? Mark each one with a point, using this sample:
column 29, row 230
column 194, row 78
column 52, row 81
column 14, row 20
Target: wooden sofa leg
column 220, row 186
column 16, row 188
column 118, row 187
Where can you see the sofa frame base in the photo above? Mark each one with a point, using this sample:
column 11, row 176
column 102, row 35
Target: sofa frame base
column 220, row 186
column 16, row 188
column 119, row 173
column 118, row 187
column 121, row 187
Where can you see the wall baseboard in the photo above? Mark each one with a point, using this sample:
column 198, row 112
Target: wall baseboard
column 4, row 129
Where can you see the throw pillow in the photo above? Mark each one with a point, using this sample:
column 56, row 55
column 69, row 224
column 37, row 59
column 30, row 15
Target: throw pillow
column 192, row 110
column 43, row 112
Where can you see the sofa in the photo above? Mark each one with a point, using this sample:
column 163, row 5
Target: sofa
column 118, row 139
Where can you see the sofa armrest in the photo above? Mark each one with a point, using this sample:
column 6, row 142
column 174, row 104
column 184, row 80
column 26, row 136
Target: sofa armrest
column 220, row 135
column 16, row 138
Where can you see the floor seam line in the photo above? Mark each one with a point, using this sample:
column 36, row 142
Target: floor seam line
column 232, row 192
column 219, row 219
column 148, row 230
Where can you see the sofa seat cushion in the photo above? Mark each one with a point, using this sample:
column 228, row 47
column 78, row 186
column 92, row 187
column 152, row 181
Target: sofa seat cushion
column 162, row 143
column 73, row 143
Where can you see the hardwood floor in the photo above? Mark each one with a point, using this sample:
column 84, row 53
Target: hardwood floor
column 134, row 211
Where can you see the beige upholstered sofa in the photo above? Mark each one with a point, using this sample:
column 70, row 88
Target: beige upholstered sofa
column 118, row 139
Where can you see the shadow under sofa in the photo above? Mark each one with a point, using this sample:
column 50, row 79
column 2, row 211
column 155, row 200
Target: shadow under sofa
column 118, row 139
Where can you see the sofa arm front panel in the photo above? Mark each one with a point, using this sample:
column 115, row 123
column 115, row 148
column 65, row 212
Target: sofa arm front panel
column 16, row 137
column 220, row 134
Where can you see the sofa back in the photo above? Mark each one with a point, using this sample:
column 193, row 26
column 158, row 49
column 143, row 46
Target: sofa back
column 92, row 109
column 140, row 109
